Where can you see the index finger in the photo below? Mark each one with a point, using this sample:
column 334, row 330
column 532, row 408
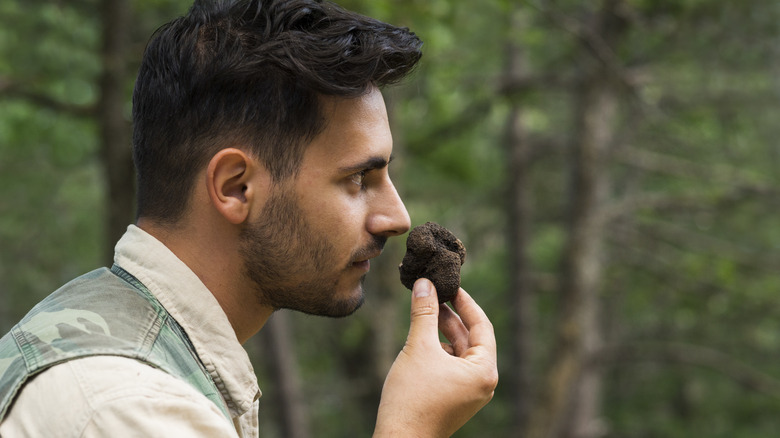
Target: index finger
column 476, row 321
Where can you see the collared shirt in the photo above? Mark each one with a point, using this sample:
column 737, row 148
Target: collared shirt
column 114, row 396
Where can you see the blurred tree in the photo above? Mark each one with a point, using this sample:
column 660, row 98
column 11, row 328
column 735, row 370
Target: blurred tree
column 571, row 403
column 50, row 175
column 519, row 218
column 671, row 165
column 288, row 402
column 113, row 120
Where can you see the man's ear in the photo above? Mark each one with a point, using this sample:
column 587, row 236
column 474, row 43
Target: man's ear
column 230, row 181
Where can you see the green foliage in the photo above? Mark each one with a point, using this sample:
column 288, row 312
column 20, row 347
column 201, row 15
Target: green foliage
column 51, row 181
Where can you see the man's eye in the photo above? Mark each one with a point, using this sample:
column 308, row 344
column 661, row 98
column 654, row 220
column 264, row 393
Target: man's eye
column 358, row 177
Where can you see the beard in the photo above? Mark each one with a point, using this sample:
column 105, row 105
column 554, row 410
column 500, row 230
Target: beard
column 293, row 267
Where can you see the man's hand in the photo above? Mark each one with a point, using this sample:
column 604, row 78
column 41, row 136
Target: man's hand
column 433, row 388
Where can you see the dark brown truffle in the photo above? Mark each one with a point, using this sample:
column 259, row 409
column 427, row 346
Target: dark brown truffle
column 433, row 252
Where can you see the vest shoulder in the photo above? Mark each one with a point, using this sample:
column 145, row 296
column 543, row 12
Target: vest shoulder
column 97, row 311
column 99, row 314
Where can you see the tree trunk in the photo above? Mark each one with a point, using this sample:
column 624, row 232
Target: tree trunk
column 518, row 231
column 114, row 127
column 583, row 263
column 571, row 404
column 287, row 399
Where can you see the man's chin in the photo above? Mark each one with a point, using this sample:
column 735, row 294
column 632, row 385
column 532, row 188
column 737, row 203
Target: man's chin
column 313, row 300
column 346, row 307
column 340, row 310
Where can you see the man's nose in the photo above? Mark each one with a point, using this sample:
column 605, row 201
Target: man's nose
column 389, row 217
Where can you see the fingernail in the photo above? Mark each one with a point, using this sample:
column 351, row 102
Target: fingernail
column 422, row 288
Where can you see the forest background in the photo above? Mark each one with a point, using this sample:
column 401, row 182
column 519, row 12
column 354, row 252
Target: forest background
column 610, row 165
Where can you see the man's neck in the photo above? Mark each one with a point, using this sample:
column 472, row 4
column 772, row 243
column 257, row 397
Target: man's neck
column 215, row 259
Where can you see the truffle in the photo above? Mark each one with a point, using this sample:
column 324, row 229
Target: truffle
column 433, row 252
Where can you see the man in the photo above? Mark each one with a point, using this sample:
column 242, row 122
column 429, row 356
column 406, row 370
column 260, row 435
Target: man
column 262, row 146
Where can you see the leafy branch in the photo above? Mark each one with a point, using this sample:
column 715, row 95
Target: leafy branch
column 694, row 355
column 10, row 89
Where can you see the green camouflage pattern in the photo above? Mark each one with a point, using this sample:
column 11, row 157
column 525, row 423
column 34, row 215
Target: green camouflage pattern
column 103, row 312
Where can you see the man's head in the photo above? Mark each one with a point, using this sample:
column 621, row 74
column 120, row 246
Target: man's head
column 260, row 129
column 250, row 73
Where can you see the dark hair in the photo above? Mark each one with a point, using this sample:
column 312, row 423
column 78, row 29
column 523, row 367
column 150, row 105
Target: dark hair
column 250, row 73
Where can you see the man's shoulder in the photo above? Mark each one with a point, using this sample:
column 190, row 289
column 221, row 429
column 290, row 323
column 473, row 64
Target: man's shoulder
column 87, row 299
column 100, row 314
column 97, row 313
column 98, row 380
column 106, row 391
column 89, row 289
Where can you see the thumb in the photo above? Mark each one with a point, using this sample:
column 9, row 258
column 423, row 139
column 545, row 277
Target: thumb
column 425, row 312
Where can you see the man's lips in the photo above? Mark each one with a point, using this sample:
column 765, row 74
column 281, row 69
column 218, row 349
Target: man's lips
column 364, row 261
column 362, row 256
column 364, row 265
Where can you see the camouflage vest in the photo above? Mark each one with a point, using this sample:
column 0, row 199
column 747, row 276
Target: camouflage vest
column 102, row 313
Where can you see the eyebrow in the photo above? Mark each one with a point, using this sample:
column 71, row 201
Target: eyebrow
column 369, row 164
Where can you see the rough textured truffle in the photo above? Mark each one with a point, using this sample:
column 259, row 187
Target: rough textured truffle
column 433, row 252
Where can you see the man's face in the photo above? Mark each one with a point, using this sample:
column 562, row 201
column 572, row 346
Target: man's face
column 308, row 249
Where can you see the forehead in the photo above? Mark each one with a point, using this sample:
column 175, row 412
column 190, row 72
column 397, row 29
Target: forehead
column 355, row 129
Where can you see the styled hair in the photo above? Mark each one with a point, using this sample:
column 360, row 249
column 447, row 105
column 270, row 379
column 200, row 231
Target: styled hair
column 250, row 73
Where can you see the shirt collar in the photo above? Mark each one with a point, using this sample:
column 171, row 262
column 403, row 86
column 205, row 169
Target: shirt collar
column 196, row 310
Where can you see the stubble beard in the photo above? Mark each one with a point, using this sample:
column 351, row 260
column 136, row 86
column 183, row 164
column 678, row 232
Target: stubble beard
column 290, row 265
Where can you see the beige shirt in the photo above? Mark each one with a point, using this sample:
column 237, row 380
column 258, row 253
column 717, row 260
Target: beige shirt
column 120, row 397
